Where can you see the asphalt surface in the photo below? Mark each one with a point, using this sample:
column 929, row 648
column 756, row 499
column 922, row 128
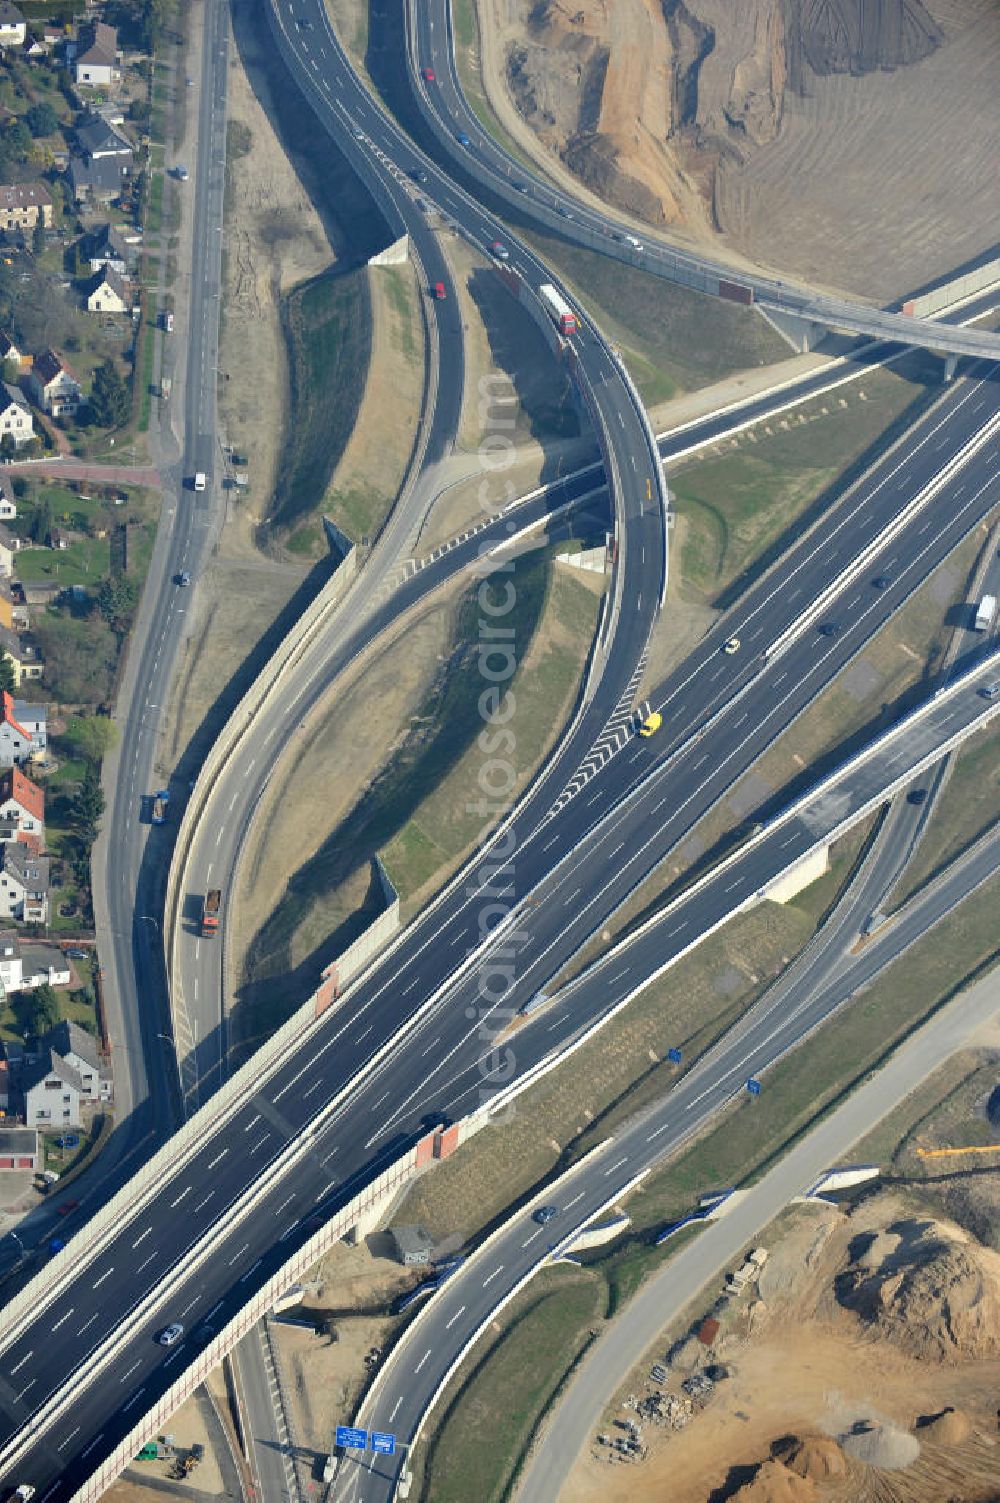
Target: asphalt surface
column 720, row 1243
column 483, row 162
column 804, row 997
column 342, row 1156
column 218, row 1186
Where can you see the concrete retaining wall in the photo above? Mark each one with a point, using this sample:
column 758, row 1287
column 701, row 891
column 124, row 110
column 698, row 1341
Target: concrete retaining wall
column 956, row 291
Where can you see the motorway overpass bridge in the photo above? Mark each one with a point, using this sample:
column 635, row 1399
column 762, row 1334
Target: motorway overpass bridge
column 270, row 1173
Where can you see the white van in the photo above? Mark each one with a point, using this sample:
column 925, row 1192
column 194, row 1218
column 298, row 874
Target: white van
column 633, row 242
column 200, row 480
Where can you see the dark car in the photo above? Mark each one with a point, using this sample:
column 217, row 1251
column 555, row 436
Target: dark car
column 545, row 1214
column 882, row 581
column 830, row 629
column 76, row 954
column 419, row 175
column 917, row 796
column 521, row 187
column 463, row 139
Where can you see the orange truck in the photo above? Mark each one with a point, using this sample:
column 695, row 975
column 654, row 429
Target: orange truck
column 210, row 912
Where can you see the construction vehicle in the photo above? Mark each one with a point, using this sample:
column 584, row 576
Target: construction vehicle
column 210, row 913
column 651, row 724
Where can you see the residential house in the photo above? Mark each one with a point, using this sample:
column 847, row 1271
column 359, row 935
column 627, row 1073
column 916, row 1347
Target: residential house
column 97, row 181
column 6, row 603
column 97, row 138
column 52, row 37
column 96, row 62
column 16, row 741
column 35, row 48
column 50, row 1090
column 9, row 350
column 22, row 204
column 19, row 1149
column 31, row 720
column 27, row 661
column 8, row 506
column 13, row 27
column 105, row 246
column 11, row 972
column 107, row 293
column 44, row 965
column 22, row 805
column 24, row 885
column 16, row 421
column 53, row 385
column 10, row 544
column 79, row 1050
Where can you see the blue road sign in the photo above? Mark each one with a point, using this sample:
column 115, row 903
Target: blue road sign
column 674, row 1056
column 383, row 1443
column 753, row 1086
column 352, row 1439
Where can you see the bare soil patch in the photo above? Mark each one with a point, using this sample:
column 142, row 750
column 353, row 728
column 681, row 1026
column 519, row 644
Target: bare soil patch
column 821, row 1403
column 783, row 133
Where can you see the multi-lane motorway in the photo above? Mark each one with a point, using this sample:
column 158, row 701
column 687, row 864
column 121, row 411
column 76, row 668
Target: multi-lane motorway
column 603, row 842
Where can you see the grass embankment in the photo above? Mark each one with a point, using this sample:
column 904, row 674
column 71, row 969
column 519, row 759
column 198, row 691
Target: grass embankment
column 329, row 335
column 379, row 449
column 740, row 509
column 673, row 339
column 542, row 1336
column 740, row 1146
column 420, row 812
column 968, row 805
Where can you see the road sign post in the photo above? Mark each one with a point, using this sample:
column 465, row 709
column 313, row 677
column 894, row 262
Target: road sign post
column 674, row 1056
column 383, row 1443
column 753, row 1086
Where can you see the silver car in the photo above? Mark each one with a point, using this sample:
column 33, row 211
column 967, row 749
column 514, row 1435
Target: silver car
column 171, row 1335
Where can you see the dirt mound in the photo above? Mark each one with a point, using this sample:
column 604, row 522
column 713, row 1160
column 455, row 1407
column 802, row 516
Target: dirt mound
column 774, row 1483
column 642, row 97
column 950, row 1428
column 883, row 1446
column 857, row 36
column 931, row 1292
column 815, row 1457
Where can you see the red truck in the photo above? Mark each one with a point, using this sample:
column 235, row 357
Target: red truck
column 210, row 913
column 558, row 309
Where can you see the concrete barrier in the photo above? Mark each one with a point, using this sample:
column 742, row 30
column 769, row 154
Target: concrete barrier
column 954, row 292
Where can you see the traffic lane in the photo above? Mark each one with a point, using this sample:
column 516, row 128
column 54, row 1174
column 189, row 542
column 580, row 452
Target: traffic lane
column 854, row 525
column 342, row 106
column 779, row 858
column 468, row 1299
column 818, row 658
column 802, row 685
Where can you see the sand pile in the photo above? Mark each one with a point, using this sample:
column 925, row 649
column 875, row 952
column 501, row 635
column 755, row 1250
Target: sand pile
column 929, row 1290
column 950, row 1428
column 882, row 1446
column 774, row 1483
column 815, row 1457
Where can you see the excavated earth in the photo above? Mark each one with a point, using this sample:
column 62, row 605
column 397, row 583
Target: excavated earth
column 848, row 141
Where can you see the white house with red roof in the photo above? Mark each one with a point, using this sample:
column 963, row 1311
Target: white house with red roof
column 17, row 742
column 22, row 810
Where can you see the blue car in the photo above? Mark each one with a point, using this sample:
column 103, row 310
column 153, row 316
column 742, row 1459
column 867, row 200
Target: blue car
column 463, row 139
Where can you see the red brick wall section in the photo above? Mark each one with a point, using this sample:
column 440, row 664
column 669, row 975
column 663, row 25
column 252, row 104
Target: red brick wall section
column 326, row 992
column 446, row 1142
column 425, row 1150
